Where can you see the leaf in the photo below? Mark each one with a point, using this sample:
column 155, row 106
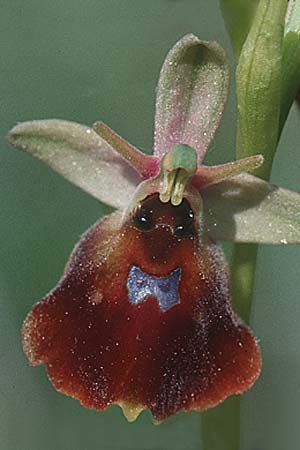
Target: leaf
column 78, row 154
column 238, row 15
column 191, row 94
column 248, row 209
column 290, row 80
column 259, row 84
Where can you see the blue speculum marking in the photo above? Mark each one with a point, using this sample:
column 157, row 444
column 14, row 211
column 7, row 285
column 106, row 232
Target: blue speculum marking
column 141, row 285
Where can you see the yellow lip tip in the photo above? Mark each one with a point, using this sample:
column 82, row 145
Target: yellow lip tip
column 130, row 410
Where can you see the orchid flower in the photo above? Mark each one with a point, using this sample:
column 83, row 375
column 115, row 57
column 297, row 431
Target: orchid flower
column 142, row 316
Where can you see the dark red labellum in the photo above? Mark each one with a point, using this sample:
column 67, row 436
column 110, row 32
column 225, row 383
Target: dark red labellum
column 174, row 343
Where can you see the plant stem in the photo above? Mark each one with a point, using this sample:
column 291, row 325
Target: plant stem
column 242, row 279
column 259, row 84
column 298, row 99
column 221, row 426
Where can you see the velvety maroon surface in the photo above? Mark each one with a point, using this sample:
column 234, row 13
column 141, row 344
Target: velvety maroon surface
column 101, row 349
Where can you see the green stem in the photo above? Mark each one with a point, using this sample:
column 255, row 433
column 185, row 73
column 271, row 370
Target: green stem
column 298, row 99
column 242, row 279
column 259, row 78
column 221, row 426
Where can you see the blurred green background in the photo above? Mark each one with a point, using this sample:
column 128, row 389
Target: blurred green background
column 99, row 60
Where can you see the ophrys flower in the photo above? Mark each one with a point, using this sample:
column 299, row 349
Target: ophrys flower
column 142, row 316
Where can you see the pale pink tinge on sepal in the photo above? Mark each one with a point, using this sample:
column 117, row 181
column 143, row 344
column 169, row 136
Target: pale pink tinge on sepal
column 191, row 95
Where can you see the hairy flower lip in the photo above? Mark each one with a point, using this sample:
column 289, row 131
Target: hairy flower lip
column 72, row 340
